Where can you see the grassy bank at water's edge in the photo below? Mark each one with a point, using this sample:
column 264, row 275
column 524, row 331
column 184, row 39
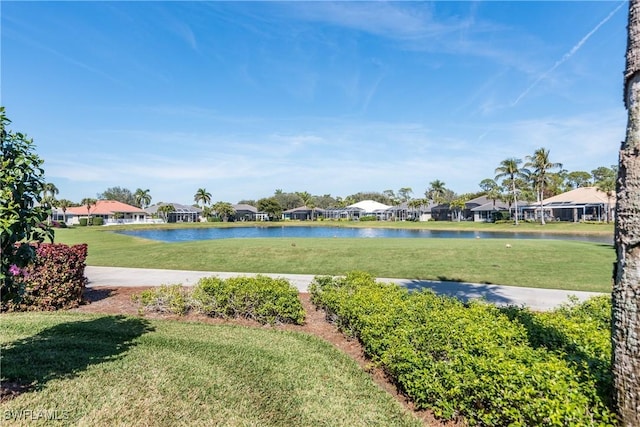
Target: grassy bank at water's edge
column 550, row 264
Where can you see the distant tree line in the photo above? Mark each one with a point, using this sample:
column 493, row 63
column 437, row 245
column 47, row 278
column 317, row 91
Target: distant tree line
column 515, row 180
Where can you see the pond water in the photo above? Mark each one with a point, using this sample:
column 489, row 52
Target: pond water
column 192, row 234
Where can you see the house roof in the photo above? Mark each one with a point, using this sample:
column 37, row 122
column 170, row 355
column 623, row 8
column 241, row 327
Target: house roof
column 499, row 206
column 105, row 207
column 580, row 196
column 245, row 207
column 177, row 206
column 303, row 209
column 369, row 206
column 405, row 206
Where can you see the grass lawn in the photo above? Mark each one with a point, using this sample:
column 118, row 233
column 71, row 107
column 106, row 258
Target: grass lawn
column 553, row 264
column 113, row 370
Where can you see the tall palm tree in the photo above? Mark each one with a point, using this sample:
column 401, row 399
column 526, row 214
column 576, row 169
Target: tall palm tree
column 436, row 191
column 88, row 202
column 63, row 204
column 540, row 166
column 405, row 194
column 50, row 190
column 142, row 197
column 202, row 196
column 510, row 170
column 625, row 325
column 309, row 201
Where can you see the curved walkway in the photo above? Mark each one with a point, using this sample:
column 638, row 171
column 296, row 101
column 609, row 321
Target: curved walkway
column 534, row 298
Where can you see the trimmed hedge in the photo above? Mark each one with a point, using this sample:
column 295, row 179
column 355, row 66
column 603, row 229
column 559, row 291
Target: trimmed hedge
column 55, row 280
column 492, row 366
column 259, row 298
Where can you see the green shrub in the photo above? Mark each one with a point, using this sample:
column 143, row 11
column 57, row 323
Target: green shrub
column 260, row 298
column 83, row 222
column 493, row 366
column 368, row 218
column 55, row 280
column 97, row 221
column 165, row 299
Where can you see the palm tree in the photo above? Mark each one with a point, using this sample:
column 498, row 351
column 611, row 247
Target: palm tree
column 50, row 190
column 540, row 166
column 458, row 206
column 510, row 169
column 405, row 194
column 202, row 195
column 165, row 210
column 88, row 202
column 625, row 325
column 63, row 204
column 436, row 192
column 309, row 201
column 416, row 205
column 224, row 210
column 608, row 186
column 142, row 197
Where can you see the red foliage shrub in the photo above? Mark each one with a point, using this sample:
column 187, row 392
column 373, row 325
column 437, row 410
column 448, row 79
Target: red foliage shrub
column 56, row 279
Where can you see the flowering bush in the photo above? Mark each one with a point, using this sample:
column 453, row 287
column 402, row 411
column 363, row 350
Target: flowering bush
column 55, row 280
column 22, row 213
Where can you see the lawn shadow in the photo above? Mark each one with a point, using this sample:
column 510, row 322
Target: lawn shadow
column 462, row 291
column 90, row 295
column 65, row 350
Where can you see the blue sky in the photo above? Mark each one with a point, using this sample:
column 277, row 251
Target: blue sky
column 327, row 97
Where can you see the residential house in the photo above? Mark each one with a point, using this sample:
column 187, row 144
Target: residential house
column 111, row 211
column 359, row 210
column 180, row 213
column 302, row 213
column 485, row 210
column 246, row 212
column 581, row 204
column 479, row 209
column 404, row 212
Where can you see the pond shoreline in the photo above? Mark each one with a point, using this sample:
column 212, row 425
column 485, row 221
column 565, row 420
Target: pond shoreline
column 188, row 234
column 586, row 229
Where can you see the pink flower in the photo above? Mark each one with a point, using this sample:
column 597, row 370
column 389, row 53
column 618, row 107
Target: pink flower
column 14, row 269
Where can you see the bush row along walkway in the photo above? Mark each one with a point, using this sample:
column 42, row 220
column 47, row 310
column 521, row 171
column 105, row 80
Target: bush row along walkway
column 534, row 298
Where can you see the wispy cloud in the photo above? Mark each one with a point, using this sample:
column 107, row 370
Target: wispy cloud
column 567, row 55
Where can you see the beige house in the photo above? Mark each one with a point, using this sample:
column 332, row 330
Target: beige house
column 581, row 204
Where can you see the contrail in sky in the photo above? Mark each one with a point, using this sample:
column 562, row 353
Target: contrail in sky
column 567, row 55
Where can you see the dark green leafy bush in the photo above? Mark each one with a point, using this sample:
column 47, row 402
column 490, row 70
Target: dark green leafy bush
column 493, row 366
column 97, row 221
column 55, row 280
column 83, row 222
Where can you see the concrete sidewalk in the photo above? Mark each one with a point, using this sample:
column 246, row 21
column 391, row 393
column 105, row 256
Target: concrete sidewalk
column 534, row 298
